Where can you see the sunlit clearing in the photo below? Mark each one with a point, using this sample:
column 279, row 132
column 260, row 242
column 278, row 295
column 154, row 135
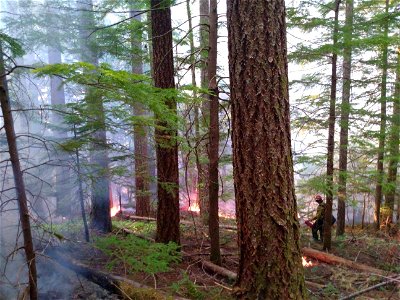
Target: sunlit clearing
column 306, row 263
column 114, row 210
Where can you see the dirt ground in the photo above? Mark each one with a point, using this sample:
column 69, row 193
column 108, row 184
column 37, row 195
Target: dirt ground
column 191, row 280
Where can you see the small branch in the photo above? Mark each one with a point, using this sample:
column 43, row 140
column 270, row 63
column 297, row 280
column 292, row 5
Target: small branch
column 351, row 296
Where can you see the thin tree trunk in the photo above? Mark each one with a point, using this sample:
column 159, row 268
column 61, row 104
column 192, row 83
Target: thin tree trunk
column 80, row 190
column 193, row 183
column 344, row 121
column 166, row 143
column 57, row 98
column 142, row 175
column 101, row 214
column 213, row 152
column 382, row 130
column 331, row 134
column 363, row 212
column 394, row 146
column 19, row 182
column 202, row 155
column 268, row 230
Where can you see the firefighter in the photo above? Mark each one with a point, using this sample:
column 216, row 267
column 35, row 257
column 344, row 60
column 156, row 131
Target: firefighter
column 319, row 219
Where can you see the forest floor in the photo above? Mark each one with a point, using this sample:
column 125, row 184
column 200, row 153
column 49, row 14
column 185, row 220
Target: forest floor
column 185, row 276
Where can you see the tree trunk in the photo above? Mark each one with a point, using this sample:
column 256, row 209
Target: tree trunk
column 142, row 174
column 202, row 155
column 19, row 182
column 268, row 230
column 382, row 129
column 213, row 150
column 344, row 121
column 57, row 97
column 166, row 143
column 331, row 135
column 101, row 215
column 393, row 144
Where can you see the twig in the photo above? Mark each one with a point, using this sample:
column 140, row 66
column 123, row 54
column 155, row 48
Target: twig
column 370, row 288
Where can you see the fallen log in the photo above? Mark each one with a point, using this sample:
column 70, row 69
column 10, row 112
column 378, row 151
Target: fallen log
column 219, row 270
column 232, row 275
column 113, row 283
column 333, row 259
column 148, row 219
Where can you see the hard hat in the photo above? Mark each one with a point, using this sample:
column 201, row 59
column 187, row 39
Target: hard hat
column 318, row 198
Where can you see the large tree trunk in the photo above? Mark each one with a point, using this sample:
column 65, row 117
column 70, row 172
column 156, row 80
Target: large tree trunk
column 201, row 153
column 382, row 132
column 344, row 120
column 101, row 215
column 213, row 152
column 331, row 134
column 166, row 143
column 394, row 146
column 268, row 231
column 19, row 182
column 142, row 174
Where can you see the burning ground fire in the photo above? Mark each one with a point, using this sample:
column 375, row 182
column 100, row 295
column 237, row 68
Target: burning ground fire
column 306, row 263
column 114, row 210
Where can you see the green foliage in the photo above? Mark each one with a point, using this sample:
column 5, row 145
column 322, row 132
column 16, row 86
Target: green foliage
column 138, row 255
column 187, row 288
column 330, row 290
column 11, row 45
column 145, row 228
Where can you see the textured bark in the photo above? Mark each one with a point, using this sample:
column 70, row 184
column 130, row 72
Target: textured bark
column 101, row 215
column 202, row 155
column 382, row 129
column 19, row 183
column 331, row 134
column 344, row 119
column 213, row 150
column 394, row 146
column 268, row 230
column 166, row 143
column 142, row 174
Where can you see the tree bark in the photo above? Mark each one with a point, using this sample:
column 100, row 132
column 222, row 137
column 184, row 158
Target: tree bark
column 268, row 230
column 19, row 182
column 166, row 143
column 142, row 174
column 344, row 120
column 382, row 129
column 331, row 135
column 393, row 145
column 213, row 150
column 202, row 155
column 101, row 214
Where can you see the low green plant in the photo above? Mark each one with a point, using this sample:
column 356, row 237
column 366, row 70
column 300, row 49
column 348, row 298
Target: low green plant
column 145, row 228
column 187, row 288
column 138, row 255
column 330, row 290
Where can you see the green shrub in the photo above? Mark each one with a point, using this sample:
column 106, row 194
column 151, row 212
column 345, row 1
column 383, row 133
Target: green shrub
column 138, row 255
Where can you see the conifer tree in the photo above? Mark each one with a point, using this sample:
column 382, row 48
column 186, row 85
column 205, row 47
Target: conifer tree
column 166, row 142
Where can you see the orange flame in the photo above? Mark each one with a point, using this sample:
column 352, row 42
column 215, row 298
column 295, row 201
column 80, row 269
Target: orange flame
column 194, row 207
column 306, row 263
column 114, row 210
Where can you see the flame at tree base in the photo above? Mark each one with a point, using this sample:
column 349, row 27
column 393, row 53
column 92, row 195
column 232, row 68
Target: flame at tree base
column 114, row 210
column 306, row 263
